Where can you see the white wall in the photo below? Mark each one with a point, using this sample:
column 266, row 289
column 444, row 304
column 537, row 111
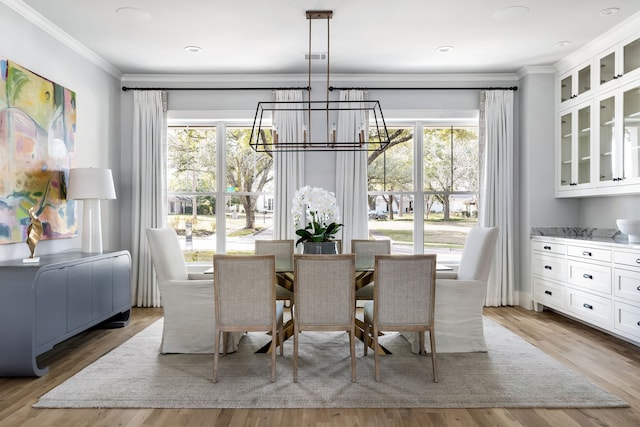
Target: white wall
column 98, row 117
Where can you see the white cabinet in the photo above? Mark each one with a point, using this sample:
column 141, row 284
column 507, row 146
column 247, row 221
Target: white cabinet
column 619, row 139
column 619, row 64
column 598, row 124
column 595, row 282
column 575, row 84
column 575, row 147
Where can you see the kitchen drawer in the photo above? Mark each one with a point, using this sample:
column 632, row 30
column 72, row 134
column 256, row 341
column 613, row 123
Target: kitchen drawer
column 592, row 277
column 549, row 267
column 626, row 284
column 584, row 252
column 627, row 319
column 553, row 248
column 592, row 308
column 627, row 258
column 548, row 293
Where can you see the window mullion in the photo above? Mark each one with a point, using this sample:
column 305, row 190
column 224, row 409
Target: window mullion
column 418, row 195
column 221, row 182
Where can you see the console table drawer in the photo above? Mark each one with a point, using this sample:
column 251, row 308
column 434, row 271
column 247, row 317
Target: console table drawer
column 554, row 248
column 627, row 258
column 584, row 252
column 626, row 284
column 548, row 267
column 592, row 308
column 589, row 276
column 627, row 319
column 548, row 293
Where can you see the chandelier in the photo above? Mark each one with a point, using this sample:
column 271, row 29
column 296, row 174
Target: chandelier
column 371, row 133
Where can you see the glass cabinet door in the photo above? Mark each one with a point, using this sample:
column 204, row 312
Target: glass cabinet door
column 607, row 138
column 566, row 138
column 566, row 91
column 631, row 52
column 631, row 133
column 584, row 145
column 607, row 68
column 584, row 80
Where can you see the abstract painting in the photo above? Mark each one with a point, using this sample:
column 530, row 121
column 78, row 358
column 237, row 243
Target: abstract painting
column 37, row 149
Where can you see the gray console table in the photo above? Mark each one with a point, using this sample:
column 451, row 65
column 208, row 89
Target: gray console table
column 64, row 294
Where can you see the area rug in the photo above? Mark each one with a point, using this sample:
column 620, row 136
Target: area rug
column 512, row 374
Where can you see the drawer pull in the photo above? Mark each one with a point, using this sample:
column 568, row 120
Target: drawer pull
column 637, row 260
column 586, row 253
column 638, row 288
column 587, row 276
column 548, row 248
column 589, row 306
column 548, row 267
column 638, row 323
column 551, row 293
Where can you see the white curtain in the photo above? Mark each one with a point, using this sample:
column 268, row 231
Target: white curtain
column 496, row 192
column 289, row 166
column 149, row 189
column 351, row 172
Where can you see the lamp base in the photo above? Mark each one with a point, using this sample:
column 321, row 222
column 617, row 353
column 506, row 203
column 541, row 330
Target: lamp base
column 91, row 227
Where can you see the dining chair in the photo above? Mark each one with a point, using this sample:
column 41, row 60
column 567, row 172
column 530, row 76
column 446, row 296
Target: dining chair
column 403, row 300
column 245, row 300
column 365, row 251
column 187, row 298
column 324, row 299
column 283, row 251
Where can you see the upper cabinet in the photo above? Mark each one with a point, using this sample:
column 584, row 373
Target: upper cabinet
column 575, row 84
column 619, row 64
column 598, row 124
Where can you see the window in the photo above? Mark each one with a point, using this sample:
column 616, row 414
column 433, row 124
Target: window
column 210, row 210
column 191, row 188
column 446, row 158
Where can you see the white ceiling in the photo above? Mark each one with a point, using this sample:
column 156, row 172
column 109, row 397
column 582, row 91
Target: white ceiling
column 367, row 36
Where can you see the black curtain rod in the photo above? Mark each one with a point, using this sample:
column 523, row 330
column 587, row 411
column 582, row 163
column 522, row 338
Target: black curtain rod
column 331, row 88
column 125, row 88
column 425, row 88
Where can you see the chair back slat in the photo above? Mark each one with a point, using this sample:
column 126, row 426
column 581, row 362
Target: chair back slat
column 365, row 251
column 405, row 289
column 282, row 249
column 324, row 289
column 244, row 289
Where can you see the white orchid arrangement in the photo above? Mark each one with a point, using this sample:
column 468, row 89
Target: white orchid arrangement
column 315, row 209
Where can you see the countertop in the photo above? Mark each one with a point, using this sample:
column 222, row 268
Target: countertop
column 611, row 236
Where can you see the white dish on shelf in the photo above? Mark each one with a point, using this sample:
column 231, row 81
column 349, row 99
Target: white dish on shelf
column 630, row 227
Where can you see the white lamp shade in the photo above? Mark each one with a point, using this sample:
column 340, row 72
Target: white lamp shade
column 90, row 183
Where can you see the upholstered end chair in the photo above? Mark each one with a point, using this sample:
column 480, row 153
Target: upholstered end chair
column 187, row 300
column 460, row 296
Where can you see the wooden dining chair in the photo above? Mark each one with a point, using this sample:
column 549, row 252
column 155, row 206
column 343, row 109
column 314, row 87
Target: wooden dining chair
column 324, row 299
column 403, row 300
column 245, row 300
column 365, row 251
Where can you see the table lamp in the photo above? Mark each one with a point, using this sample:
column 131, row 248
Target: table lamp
column 91, row 185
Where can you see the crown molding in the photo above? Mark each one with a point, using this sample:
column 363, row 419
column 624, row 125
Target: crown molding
column 54, row 31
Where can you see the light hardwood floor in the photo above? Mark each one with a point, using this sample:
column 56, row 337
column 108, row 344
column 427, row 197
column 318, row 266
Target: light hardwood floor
column 609, row 362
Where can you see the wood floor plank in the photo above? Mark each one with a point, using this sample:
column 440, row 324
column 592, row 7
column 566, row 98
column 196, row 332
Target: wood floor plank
column 609, row 362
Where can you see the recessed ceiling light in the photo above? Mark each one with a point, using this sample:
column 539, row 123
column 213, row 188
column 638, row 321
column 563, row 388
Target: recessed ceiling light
column 444, row 49
column 510, row 12
column 193, row 49
column 609, row 11
column 133, row 13
column 563, row 43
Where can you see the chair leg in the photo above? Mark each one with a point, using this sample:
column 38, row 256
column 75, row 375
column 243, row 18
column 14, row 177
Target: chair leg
column 365, row 338
column 295, row 354
column 432, row 340
column 352, row 346
column 216, row 347
column 423, row 351
column 376, row 353
column 281, row 339
column 273, row 355
column 225, row 338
